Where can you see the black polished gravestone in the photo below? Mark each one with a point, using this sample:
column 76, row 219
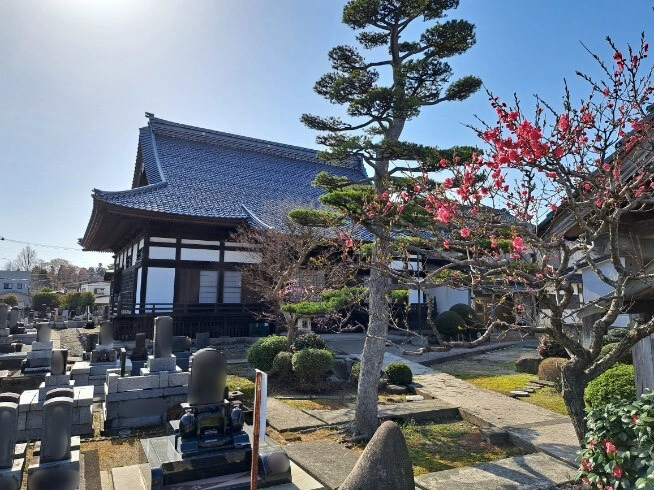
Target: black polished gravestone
column 139, row 354
column 210, row 439
column 11, row 467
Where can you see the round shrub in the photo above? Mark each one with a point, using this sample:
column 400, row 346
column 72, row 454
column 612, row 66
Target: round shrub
column 308, row 341
column 282, row 366
column 615, row 335
column 355, row 372
column 399, row 373
column 244, row 385
column 625, row 359
column 262, row 353
column 449, row 324
column 550, row 369
column 311, row 365
column 618, row 446
column 617, row 382
column 467, row 313
column 549, row 347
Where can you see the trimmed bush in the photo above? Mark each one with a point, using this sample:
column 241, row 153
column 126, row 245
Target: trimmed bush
column 615, row 335
column 311, row 365
column 9, row 299
column 399, row 373
column 618, row 382
column 548, row 347
column 237, row 383
column 467, row 313
column 550, row 369
column 282, row 366
column 262, row 353
column 355, row 372
column 449, row 324
column 308, row 341
column 625, row 359
column 619, row 445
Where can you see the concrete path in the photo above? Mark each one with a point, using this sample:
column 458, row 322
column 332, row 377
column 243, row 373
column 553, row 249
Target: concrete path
column 530, row 471
column 325, row 460
column 283, row 418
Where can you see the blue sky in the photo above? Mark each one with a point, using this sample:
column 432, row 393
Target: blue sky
column 77, row 76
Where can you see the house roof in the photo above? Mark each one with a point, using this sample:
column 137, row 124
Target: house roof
column 186, row 171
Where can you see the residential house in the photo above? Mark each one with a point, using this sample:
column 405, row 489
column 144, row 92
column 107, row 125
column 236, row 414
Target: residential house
column 17, row 283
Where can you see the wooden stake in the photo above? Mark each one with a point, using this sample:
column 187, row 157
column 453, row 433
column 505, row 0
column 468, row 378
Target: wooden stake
column 256, row 430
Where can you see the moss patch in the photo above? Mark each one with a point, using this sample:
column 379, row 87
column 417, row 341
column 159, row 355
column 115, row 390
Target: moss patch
column 437, row 447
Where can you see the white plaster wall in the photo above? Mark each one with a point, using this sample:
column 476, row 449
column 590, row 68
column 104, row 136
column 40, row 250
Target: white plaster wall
column 161, row 285
column 447, row 297
column 200, row 254
column 164, row 253
column 139, row 281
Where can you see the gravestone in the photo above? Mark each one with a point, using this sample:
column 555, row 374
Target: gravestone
column 208, row 379
column 105, row 352
column 57, row 377
column 139, row 354
column 91, row 342
column 163, row 358
column 38, row 359
column 5, row 337
column 123, row 361
column 107, row 335
column 58, row 362
column 14, row 316
column 58, row 464
column 11, row 467
column 202, row 340
column 182, row 351
column 163, row 336
column 4, row 315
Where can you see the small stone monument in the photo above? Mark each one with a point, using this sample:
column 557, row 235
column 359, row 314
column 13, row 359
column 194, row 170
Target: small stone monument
column 202, row 340
column 11, row 463
column 38, row 359
column 57, row 377
column 58, row 464
column 163, row 358
column 4, row 314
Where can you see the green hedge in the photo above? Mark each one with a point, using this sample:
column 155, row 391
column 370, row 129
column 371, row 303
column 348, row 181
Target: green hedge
column 311, row 365
column 262, row 353
column 282, row 366
column 449, row 324
column 618, row 382
column 355, row 372
column 467, row 313
column 399, row 373
column 244, row 385
column 308, row 340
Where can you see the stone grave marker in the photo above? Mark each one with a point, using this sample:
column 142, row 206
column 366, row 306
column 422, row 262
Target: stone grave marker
column 4, row 314
column 163, row 359
column 11, row 466
column 202, row 340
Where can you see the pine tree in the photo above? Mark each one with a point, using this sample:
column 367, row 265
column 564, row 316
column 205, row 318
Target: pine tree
column 418, row 77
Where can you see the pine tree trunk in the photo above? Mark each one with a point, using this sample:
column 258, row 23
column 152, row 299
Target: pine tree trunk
column 573, row 384
column 365, row 420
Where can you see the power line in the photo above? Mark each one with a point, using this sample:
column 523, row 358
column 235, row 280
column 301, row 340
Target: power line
column 56, row 247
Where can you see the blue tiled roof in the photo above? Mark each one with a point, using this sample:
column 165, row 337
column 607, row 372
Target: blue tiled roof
column 199, row 172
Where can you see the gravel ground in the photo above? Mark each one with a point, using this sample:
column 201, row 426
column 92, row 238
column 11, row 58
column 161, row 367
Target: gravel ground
column 72, row 339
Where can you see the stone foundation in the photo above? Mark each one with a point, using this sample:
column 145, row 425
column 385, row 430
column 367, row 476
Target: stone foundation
column 86, row 373
column 30, row 413
column 142, row 401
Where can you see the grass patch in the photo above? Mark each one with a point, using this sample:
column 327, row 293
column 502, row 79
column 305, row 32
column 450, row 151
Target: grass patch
column 316, row 404
column 438, row 447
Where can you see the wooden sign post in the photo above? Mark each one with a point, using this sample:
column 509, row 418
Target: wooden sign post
column 258, row 423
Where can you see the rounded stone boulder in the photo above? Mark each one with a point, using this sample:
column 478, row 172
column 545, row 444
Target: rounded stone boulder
column 385, row 463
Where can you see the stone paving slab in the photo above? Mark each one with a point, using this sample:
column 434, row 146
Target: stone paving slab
column 325, row 460
column 420, row 410
column 284, row 418
column 526, row 472
column 556, row 439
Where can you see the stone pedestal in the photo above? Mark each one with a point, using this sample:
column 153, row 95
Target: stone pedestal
column 53, row 381
column 12, row 478
column 156, row 364
column 38, row 359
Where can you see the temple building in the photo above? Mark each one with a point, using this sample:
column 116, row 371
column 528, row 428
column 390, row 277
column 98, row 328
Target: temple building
column 170, row 233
